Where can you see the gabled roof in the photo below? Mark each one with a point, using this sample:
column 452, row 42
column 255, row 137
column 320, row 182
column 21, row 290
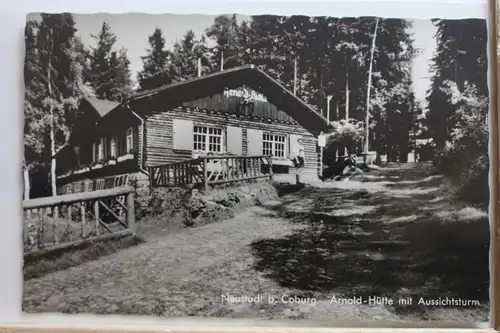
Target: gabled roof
column 249, row 75
column 102, row 106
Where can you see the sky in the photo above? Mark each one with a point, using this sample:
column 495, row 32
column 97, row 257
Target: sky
column 132, row 31
column 423, row 34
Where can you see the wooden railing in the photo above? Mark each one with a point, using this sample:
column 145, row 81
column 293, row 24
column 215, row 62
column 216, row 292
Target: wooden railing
column 73, row 217
column 98, row 184
column 211, row 170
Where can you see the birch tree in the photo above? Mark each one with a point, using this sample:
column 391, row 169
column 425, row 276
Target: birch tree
column 368, row 88
column 61, row 70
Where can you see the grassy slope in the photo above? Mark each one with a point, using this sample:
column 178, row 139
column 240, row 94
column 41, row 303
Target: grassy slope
column 393, row 233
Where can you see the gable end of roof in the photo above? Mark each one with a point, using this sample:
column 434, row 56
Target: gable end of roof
column 102, row 106
column 250, row 75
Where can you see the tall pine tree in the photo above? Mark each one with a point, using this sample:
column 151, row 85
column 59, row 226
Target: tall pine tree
column 185, row 57
column 155, row 71
column 461, row 59
column 457, row 103
column 225, row 32
column 110, row 74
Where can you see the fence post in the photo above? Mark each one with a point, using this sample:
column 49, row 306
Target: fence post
column 96, row 215
column 83, row 217
column 205, row 174
column 270, row 163
column 131, row 211
column 55, row 216
column 151, row 180
column 320, row 171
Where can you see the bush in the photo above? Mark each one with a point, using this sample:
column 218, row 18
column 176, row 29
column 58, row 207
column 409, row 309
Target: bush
column 192, row 207
column 468, row 170
column 345, row 134
column 475, row 180
column 162, row 202
column 464, row 160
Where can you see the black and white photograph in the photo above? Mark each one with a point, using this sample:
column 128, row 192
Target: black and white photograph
column 259, row 167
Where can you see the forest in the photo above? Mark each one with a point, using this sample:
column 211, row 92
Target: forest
column 355, row 70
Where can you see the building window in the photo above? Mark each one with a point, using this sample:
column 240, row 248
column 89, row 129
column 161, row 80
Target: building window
column 129, row 143
column 207, row 139
column 100, row 150
column 274, row 145
column 94, row 152
column 112, row 147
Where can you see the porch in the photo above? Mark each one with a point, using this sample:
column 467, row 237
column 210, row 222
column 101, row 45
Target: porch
column 211, row 170
column 98, row 184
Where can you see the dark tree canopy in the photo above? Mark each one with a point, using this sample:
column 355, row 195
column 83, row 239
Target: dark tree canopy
column 110, row 74
column 155, row 70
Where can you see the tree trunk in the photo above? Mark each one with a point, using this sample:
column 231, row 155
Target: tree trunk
column 26, row 177
column 53, row 169
column 295, row 75
column 378, row 140
column 346, row 104
column 322, row 93
column 222, row 59
column 52, row 147
column 52, row 122
column 328, row 108
column 199, row 67
column 367, row 117
column 347, row 97
column 52, row 150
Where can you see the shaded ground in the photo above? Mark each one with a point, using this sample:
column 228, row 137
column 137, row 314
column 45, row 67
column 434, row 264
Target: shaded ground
column 393, row 233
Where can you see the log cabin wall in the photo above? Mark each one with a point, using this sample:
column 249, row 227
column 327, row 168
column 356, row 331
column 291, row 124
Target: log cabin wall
column 243, row 118
column 170, row 136
column 90, row 131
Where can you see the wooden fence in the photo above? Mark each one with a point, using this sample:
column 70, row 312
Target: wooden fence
column 211, row 170
column 73, row 217
column 98, row 184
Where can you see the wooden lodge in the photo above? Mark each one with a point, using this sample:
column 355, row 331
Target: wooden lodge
column 232, row 125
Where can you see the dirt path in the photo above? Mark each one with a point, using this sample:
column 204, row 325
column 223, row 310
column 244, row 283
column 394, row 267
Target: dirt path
column 352, row 239
column 176, row 275
column 394, row 233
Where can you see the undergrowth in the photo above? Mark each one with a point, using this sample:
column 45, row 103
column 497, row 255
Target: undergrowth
column 192, row 207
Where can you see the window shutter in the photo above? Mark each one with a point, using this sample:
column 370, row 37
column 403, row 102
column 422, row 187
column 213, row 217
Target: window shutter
column 103, row 145
column 121, row 143
column 254, row 140
column 134, row 138
column 294, row 146
column 183, row 134
column 234, row 139
column 129, row 133
column 106, row 147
